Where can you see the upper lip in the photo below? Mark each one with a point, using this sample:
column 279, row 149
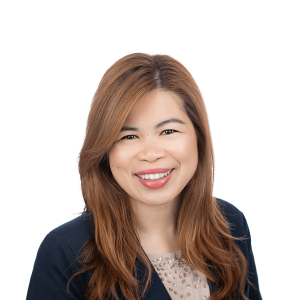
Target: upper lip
column 153, row 171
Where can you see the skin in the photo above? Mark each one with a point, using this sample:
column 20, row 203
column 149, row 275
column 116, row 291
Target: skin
column 155, row 210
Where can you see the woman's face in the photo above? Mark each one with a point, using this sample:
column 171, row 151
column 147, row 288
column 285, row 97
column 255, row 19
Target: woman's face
column 171, row 146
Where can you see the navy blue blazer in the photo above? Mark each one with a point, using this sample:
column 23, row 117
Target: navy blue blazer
column 55, row 261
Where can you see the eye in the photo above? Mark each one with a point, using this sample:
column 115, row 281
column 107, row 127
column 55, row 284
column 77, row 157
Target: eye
column 125, row 137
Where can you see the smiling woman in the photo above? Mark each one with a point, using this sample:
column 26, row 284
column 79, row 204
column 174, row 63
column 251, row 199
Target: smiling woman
column 151, row 228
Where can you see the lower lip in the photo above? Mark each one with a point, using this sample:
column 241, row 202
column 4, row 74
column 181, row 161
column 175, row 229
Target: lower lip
column 155, row 184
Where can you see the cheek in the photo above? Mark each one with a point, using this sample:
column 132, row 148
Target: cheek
column 186, row 154
column 187, row 151
column 119, row 161
column 120, row 166
column 117, row 155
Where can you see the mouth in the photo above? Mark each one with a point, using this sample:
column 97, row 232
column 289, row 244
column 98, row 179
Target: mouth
column 154, row 176
column 155, row 183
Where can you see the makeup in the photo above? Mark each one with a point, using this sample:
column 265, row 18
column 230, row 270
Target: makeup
column 155, row 184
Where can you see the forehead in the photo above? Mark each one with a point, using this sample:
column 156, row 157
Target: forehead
column 158, row 104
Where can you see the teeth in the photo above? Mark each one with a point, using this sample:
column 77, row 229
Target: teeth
column 154, row 176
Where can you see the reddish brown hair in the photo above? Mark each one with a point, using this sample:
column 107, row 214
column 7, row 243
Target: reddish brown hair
column 204, row 234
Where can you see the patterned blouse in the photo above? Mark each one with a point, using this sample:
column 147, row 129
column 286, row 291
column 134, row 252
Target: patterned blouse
column 180, row 280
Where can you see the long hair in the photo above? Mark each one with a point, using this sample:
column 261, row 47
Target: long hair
column 204, row 234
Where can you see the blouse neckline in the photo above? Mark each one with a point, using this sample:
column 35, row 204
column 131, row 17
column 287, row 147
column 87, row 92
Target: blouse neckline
column 164, row 254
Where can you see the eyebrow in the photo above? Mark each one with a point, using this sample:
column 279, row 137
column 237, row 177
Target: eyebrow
column 173, row 120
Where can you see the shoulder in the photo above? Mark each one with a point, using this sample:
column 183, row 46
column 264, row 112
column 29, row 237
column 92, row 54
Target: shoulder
column 236, row 218
column 63, row 244
column 239, row 228
column 74, row 232
column 56, row 262
column 65, row 241
column 228, row 208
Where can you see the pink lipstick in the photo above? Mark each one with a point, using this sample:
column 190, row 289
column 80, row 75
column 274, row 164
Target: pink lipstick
column 155, row 183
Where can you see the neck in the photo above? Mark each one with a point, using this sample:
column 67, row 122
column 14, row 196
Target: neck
column 156, row 225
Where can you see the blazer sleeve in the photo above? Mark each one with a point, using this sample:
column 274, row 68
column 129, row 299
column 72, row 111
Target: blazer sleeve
column 252, row 292
column 54, row 265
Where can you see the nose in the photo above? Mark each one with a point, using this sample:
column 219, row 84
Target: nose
column 152, row 153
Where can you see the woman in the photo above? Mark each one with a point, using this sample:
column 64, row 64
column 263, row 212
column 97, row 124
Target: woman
column 151, row 228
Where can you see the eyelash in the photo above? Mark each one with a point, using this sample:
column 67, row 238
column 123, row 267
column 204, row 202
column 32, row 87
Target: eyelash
column 124, row 138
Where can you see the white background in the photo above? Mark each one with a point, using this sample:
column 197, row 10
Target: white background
column 244, row 55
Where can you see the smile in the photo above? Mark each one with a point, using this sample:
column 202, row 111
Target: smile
column 158, row 180
column 154, row 176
